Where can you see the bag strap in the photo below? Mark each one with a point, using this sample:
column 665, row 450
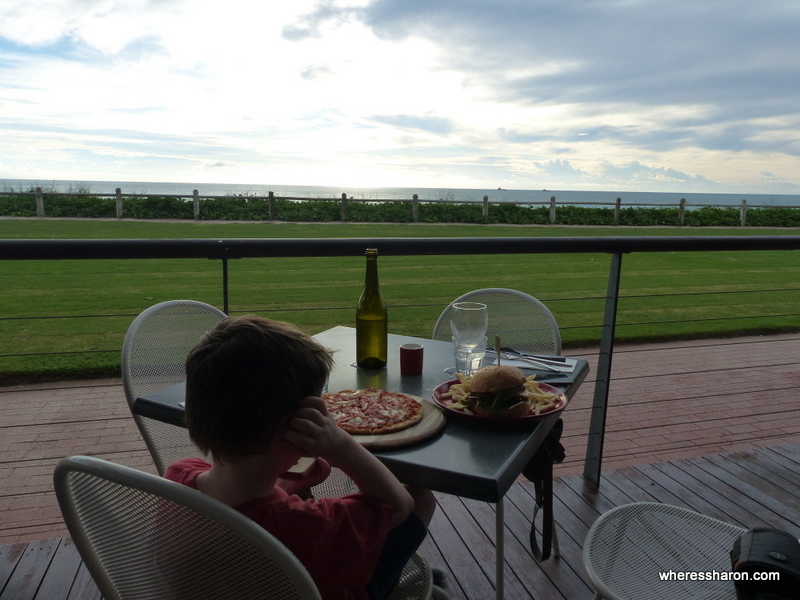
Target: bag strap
column 540, row 471
column 544, row 500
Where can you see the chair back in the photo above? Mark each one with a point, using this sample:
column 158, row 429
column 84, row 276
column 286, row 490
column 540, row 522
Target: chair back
column 522, row 322
column 628, row 545
column 153, row 357
column 144, row 537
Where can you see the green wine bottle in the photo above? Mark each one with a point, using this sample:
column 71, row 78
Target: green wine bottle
column 372, row 319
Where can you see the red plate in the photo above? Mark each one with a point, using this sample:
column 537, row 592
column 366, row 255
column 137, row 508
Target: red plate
column 444, row 387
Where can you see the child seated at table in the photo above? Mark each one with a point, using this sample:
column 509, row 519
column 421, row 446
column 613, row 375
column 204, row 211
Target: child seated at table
column 252, row 403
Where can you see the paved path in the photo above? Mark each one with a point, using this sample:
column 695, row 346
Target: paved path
column 667, row 401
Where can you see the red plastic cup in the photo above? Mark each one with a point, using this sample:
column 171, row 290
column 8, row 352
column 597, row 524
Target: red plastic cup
column 411, row 359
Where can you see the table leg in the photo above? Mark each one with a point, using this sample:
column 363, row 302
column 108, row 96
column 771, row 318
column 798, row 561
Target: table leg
column 499, row 548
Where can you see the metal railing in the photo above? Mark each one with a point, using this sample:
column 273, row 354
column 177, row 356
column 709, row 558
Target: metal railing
column 226, row 249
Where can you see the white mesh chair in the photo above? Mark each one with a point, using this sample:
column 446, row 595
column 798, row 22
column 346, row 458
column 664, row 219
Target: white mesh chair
column 143, row 537
column 629, row 546
column 522, row 322
column 153, row 357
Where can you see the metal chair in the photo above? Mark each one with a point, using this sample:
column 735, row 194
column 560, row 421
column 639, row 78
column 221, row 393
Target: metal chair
column 522, row 322
column 145, row 537
column 628, row 547
column 153, row 357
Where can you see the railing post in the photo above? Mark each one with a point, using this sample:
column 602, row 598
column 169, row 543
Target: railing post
column 682, row 211
column 272, row 206
column 119, row 202
column 196, row 203
column 552, row 209
column 597, row 422
column 617, row 205
column 39, row 202
column 743, row 214
column 225, row 285
column 415, row 208
column 344, row 207
column 486, row 207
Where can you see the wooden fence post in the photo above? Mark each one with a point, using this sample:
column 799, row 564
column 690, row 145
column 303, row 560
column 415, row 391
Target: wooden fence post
column 552, row 209
column 119, row 202
column 344, row 207
column 617, row 205
column 196, row 203
column 272, row 206
column 682, row 211
column 39, row 203
column 486, row 207
column 415, row 208
column 743, row 214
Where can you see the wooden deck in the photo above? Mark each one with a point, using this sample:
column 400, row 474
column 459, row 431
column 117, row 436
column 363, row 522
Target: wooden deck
column 749, row 488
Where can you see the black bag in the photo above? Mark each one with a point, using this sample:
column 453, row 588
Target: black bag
column 765, row 550
column 539, row 471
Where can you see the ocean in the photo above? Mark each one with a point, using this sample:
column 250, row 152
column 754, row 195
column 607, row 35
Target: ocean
column 582, row 197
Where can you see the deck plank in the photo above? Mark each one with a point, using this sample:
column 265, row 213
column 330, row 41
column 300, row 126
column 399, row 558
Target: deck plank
column 523, row 577
column 561, row 571
column 58, row 579
column 30, row 569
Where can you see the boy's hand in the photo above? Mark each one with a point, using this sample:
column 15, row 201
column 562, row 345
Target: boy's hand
column 312, row 430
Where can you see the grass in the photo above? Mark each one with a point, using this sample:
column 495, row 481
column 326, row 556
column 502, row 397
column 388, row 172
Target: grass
column 78, row 311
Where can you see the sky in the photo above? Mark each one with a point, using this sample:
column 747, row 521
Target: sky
column 642, row 95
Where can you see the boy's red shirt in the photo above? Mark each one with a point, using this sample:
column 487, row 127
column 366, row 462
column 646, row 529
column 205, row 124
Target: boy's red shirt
column 338, row 540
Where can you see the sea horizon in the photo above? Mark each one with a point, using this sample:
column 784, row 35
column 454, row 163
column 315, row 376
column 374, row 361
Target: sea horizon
column 512, row 196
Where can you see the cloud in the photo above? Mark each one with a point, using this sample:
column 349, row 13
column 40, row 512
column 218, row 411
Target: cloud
column 733, row 59
column 700, row 93
column 430, row 124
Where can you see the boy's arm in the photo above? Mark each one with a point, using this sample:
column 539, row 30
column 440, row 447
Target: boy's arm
column 314, row 432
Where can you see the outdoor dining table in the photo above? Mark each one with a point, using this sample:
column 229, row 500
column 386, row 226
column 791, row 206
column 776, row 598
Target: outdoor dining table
column 465, row 458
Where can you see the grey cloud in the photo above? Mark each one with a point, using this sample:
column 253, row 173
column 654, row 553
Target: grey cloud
column 427, row 123
column 312, row 72
column 737, row 58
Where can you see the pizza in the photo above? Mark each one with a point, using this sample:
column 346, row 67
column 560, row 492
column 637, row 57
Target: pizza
column 373, row 412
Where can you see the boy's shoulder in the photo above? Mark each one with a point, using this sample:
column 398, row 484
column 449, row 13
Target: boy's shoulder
column 186, row 470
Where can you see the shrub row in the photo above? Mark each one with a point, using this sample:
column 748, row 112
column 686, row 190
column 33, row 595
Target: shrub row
column 257, row 209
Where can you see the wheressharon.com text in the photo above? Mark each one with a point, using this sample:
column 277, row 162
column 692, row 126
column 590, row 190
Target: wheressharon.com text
column 719, row 576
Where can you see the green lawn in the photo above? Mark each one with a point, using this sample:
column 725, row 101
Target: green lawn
column 664, row 295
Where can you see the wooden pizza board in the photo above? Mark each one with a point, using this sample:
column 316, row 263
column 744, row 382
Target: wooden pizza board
column 432, row 421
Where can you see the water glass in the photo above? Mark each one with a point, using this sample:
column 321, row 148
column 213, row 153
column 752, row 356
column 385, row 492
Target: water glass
column 468, row 323
column 469, row 358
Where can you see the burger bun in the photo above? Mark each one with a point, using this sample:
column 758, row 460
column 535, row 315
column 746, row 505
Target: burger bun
column 496, row 378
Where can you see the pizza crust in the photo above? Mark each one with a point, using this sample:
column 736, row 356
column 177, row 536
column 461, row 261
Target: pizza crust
column 372, row 411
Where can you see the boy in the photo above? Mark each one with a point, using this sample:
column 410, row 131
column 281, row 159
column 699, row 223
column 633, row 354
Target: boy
column 252, row 402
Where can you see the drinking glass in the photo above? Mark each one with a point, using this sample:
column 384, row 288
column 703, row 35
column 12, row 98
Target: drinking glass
column 468, row 323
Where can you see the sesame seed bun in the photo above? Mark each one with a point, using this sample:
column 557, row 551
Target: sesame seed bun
column 494, row 379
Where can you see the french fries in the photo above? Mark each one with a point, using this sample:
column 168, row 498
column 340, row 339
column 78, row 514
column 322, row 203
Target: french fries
column 540, row 400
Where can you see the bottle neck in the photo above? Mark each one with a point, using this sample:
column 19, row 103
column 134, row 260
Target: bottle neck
column 371, row 278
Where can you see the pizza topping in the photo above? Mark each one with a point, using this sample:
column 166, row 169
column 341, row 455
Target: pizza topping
column 373, row 411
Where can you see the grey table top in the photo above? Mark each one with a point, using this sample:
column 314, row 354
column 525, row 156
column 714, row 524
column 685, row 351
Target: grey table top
column 470, row 459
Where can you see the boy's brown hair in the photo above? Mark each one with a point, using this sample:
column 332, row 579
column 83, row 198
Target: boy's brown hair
column 243, row 377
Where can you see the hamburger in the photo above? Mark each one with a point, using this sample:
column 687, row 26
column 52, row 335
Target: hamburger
column 499, row 391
